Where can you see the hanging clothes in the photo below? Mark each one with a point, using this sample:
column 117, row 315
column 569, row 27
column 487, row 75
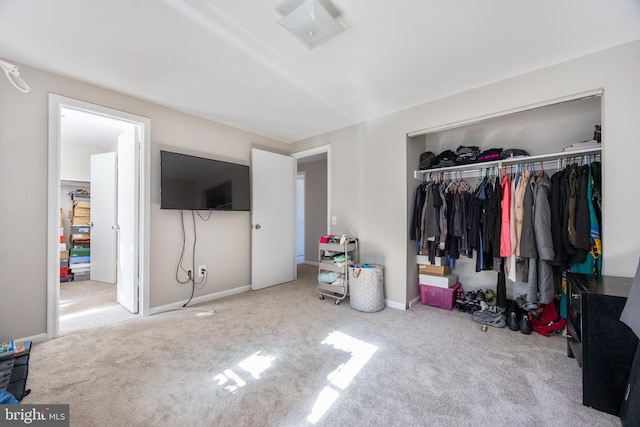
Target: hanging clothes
column 593, row 259
column 505, row 203
column 544, row 240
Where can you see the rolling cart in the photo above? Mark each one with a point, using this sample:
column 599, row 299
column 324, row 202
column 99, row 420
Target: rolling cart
column 333, row 269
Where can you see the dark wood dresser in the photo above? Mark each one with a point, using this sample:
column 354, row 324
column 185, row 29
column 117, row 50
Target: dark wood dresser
column 603, row 346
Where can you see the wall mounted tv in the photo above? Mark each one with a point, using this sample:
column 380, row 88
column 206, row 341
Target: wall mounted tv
column 195, row 183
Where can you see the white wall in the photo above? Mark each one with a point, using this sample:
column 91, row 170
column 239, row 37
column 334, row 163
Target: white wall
column 23, row 185
column 372, row 159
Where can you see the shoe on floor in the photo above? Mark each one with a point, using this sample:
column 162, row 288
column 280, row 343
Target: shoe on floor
column 525, row 324
column 512, row 321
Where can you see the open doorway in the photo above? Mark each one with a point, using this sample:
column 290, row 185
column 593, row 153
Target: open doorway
column 300, row 217
column 98, row 182
column 313, row 166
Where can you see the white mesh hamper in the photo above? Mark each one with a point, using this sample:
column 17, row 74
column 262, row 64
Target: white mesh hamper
column 366, row 287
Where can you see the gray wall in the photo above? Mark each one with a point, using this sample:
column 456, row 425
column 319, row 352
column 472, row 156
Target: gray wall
column 315, row 206
column 373, row 158
column 223, row 242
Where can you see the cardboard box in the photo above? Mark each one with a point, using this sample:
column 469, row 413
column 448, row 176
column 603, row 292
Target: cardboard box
column 80, row 236
column 434, row 270
column 61, row 216
column 438, row 281
column 81, row 204
column 81, row 212
column 439, row 260
column 80, row 220
column 435, row 296
column 64, row 254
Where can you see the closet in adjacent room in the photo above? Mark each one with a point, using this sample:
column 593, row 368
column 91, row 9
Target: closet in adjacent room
column 552, row 135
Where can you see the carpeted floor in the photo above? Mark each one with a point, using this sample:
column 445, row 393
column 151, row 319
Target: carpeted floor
column 88, row 304
column 282, row 357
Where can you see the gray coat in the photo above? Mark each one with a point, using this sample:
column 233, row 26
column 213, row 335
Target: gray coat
column 544, row 240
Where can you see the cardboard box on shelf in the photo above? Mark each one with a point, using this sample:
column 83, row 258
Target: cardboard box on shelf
column 434, row 270
column 64, row 254
column 81, row 212
column 438, row 281
column 80, row 220
column 80, row 236
column 81, row 204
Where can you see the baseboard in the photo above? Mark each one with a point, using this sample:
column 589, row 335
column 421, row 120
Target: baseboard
column 415, row 300
column 394, row 304
column 204, row 298
column 34, row 338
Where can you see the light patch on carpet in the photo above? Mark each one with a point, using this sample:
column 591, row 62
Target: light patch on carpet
column 255, row 365
column 85, row 313
column 342, row 376
column 229, row 375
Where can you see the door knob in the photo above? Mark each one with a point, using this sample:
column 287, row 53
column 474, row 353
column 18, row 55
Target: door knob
column 91, row 224
column 257, row 226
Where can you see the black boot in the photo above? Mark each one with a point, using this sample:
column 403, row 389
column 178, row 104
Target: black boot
column 525, row 324
column 512, row 321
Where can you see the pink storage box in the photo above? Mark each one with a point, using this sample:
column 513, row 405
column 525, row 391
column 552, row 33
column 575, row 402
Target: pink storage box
column 436, row 296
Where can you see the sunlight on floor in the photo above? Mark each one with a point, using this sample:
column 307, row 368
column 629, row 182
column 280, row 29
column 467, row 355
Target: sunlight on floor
column 342, row 376
column 255, row 365
column 65, row 303
column 86, row 313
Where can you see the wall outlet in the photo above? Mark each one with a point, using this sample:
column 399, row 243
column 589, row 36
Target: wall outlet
column 334, row 220
column 202, row 270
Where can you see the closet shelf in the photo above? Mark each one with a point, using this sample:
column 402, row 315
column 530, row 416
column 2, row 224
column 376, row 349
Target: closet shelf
column 481, row 167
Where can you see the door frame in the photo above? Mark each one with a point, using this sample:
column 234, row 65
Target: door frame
column 56, row 103
column 313, row 152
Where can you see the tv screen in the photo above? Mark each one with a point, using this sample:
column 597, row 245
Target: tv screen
column 195, row 183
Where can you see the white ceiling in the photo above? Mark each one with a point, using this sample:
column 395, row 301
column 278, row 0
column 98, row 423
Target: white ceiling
column 229, row 60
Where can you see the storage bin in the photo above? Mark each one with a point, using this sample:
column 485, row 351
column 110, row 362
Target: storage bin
column 366, row 287
column 439, row 281
column 436, row 296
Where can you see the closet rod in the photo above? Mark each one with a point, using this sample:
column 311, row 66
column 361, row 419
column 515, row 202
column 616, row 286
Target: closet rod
column 475, row 167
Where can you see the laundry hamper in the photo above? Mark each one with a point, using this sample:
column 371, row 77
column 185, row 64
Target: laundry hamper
column 366, row 287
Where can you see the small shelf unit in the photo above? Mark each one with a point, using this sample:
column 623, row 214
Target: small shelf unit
column 340, row 290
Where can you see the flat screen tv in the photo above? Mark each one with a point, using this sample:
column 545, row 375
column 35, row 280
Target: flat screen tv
column 195, row 183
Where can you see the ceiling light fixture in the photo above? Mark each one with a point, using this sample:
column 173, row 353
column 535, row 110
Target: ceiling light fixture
column 311, row 23
column 14, row 76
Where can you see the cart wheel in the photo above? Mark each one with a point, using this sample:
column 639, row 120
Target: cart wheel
column 321, row 296
column 337, row 302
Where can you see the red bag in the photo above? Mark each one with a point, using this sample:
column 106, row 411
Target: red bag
column 549, row 321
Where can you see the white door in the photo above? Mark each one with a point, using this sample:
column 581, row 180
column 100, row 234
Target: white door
column 127, row 229
column 273, row 180
column 103, row 217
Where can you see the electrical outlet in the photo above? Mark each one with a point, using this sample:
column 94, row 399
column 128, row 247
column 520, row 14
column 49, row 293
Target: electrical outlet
column 202, row 270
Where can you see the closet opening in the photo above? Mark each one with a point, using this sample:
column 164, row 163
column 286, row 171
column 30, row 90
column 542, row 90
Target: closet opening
column 544, row 131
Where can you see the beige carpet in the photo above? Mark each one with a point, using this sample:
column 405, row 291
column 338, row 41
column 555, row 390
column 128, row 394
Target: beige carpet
column 282, row 357
column 88, row 304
